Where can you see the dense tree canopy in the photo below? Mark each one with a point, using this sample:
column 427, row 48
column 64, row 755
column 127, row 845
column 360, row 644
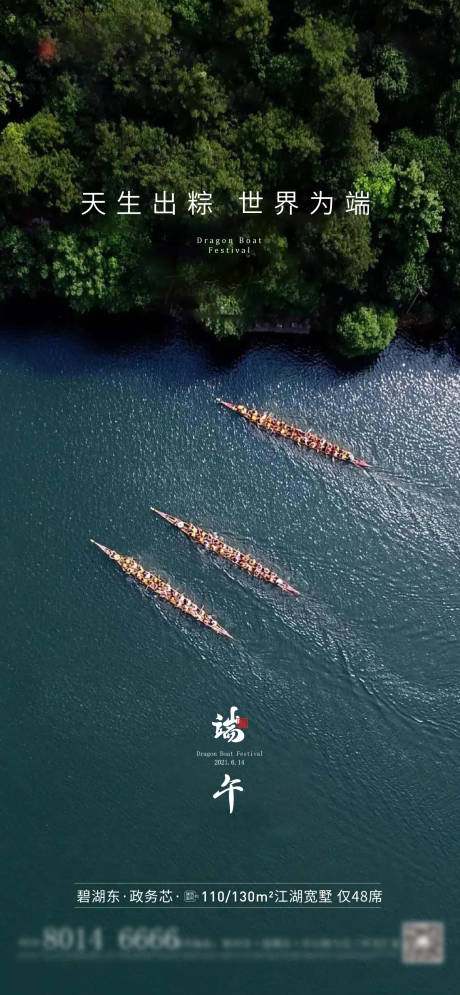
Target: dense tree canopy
column 227, row 96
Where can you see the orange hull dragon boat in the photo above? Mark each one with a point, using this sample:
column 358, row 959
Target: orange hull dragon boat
column 287, row 431
column 221, row 548
column 164, row 590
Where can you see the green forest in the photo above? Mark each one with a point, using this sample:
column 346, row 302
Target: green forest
column 230, row 96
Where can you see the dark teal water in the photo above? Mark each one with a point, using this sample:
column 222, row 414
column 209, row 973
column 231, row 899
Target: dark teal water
column 352, row 690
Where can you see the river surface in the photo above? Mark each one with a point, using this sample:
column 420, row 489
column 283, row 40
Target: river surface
column 351, row 690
